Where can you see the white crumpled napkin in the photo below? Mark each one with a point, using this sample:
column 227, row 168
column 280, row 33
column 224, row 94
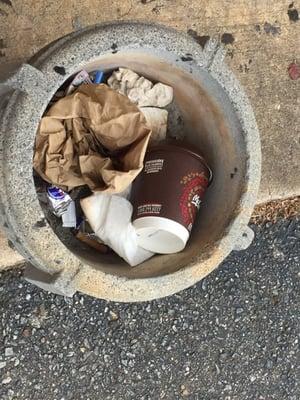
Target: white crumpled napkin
column 140, row 90
column 110, row 218
column 148, row 97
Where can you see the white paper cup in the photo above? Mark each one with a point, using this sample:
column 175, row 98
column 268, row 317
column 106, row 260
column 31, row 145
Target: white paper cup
column 166, row 197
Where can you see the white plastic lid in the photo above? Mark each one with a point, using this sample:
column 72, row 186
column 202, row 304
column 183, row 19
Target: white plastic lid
column 160, row 235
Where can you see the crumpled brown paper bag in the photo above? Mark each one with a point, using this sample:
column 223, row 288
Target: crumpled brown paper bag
column 95, row 137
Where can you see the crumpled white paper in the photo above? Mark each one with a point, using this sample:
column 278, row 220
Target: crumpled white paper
column 110, row 218
column 148, row 97
column 140, row 90
column 157, row 121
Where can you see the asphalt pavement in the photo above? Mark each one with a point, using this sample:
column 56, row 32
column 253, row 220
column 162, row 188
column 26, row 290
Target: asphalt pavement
column 233, row 336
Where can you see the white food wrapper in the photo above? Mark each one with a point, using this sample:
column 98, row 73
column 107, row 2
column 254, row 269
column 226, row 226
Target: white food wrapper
column 59, row 200
column 157, row 121
column 69, row 216
column 82, row 77
column 110, row 218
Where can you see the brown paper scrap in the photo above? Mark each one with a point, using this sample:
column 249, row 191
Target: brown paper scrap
column 95, row 137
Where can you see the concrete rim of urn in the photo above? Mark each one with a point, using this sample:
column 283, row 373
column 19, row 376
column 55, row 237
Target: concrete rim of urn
column 218, row 118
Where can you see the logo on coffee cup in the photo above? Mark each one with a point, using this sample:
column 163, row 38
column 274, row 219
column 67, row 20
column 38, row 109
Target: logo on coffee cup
column 196, row 201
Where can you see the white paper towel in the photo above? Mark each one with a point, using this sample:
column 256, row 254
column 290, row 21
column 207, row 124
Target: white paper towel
column 157, row 120
column 140, row 90
column 110, row 218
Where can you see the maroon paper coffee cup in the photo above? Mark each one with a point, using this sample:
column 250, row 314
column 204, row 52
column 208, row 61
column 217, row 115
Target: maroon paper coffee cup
column 166, row 197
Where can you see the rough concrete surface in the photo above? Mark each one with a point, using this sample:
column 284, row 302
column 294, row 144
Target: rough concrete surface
column 262, row 39
column 8, row 256
column 234, row 156
column 233, row 336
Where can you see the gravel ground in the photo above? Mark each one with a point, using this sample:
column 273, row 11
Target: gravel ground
column 235, row 335
column 276, row 209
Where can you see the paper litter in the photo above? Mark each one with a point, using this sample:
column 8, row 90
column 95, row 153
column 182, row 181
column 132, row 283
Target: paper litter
column 110, row 218
column 157, row 120
column 96, row 137
column 69, row 216
column 140, row 90
column 93, row 137
column 91, row 242
column 58, row 200
column 149, row 97
column 79, row 79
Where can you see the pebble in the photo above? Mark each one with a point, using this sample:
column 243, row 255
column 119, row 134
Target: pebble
column 2, row 364
column 9, row 352
column 35, row 322
column 7, row 380
column 184, row 391
column 113, row 316
column 26, row 332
